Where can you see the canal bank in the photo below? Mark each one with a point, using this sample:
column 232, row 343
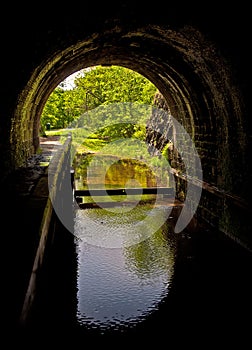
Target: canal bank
column 26, row 196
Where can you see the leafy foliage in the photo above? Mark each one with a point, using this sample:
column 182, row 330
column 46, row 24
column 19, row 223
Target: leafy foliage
column 98, row 87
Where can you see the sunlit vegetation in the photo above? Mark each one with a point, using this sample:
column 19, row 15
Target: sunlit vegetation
column 96, row 87
column 106, row 111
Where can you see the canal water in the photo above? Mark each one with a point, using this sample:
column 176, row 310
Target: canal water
column 124, row 275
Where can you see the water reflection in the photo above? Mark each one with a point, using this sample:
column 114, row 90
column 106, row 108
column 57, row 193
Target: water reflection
column 125, row 259
column 117, row 227
column 98, row 170
column 119, row 287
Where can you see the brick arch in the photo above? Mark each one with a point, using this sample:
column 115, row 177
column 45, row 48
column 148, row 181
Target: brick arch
column 182, row 64
column 196, row 81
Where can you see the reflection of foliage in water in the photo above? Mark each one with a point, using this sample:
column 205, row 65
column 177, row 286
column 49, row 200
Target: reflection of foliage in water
column 153, row 256
column 118, row 215
column 80, row 164
column 121, row 173
column 124, row 170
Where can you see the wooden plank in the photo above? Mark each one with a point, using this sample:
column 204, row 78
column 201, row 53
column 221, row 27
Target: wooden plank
column 123, row 191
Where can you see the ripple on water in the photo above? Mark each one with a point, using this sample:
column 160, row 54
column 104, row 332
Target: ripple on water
column 120, row 286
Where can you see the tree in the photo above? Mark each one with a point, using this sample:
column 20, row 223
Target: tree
column 98, row 86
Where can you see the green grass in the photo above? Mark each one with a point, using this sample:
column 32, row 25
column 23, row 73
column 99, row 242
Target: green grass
column 81, row 139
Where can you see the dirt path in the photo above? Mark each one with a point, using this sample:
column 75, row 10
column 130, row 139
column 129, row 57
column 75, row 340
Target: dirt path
column 49, row 145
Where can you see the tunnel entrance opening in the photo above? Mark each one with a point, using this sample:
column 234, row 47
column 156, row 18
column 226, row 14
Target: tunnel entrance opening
column 197, row 83
column 174, row 92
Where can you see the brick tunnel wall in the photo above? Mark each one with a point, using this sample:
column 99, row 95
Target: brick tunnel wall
column 198, row 61
column 219, row 208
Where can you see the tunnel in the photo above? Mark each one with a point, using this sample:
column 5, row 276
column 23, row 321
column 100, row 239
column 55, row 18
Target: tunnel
column 197, row 58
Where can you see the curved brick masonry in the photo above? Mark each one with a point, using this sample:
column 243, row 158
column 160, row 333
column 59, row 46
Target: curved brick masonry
column 218, row 207
column 198, row 60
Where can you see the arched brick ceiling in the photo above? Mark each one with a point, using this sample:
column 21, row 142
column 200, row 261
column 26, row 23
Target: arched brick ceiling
column 191, row 56
column 197, row 56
